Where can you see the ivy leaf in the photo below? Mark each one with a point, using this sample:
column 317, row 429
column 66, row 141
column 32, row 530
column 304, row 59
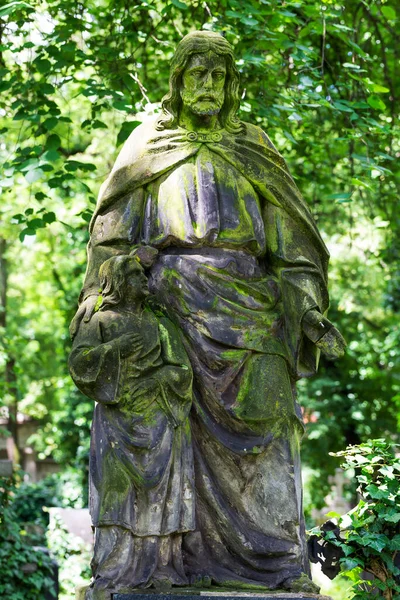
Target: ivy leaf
column 348, row 564
column 377, row 542
column 377, row 493
column 394, row 518
column 387, row 471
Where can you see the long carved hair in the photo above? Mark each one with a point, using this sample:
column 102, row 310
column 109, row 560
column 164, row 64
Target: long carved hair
column 112, row 279
column 201, row 42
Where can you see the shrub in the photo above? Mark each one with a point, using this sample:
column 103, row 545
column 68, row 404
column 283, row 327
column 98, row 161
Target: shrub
column 25, row 572
column 367, row 538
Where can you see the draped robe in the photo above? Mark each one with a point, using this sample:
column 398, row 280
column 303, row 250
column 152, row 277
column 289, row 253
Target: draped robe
column 240, row 263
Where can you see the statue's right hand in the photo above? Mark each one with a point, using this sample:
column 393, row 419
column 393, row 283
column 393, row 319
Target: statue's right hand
column 130, row 344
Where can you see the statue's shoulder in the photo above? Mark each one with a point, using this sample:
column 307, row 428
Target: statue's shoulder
column 137, row 143
column 147, row 129
column 255, row 134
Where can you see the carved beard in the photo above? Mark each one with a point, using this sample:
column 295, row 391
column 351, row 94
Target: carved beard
column 203, row 102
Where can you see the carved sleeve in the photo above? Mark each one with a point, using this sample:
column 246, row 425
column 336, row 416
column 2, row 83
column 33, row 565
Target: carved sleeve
column 95, row 365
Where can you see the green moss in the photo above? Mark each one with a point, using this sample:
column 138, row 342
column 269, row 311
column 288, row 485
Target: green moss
column 98, row 304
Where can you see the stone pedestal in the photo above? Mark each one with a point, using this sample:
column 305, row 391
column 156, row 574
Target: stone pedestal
column 193, row 594
column 207, row 595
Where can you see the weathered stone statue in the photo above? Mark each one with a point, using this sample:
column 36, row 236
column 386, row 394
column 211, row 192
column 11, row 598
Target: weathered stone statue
column 238, row 269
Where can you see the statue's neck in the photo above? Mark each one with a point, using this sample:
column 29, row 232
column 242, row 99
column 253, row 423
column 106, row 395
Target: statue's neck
column 132, row 305
column 199, row 123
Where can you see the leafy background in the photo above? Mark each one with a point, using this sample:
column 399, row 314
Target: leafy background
column 77, row 77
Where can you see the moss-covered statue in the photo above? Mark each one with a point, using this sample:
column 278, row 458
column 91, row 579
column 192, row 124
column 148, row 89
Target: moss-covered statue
column 235, row 259
column 141, row 469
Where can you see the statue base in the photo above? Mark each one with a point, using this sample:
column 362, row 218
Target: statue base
column 194, row 594
column 207, row 595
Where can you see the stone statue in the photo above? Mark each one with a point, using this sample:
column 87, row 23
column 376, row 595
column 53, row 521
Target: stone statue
column 236, row 264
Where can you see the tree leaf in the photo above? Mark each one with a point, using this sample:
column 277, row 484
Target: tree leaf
column 53, row 142
column 51, row 155
column 179, row 4
column 26, row 232
column 50, row 123
column 389, row 12
column 33, row 175
column 125, row 131
column 49, row 217
column 43, row 65
column 376, row 102
column 8, row 9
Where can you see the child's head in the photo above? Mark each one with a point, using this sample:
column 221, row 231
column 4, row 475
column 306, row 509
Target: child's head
column 122, row 277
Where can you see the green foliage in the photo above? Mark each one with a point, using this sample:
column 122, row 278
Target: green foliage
column 24, row 571
column 319, row 77
column 370, row 532
column 30, row 500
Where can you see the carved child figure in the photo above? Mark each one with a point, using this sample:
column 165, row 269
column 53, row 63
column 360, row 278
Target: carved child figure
column 141, row 469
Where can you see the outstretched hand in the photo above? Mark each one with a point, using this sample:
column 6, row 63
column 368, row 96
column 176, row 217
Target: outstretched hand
column 332, row 344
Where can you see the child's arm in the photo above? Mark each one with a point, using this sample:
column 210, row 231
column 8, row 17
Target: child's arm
column 95, row 365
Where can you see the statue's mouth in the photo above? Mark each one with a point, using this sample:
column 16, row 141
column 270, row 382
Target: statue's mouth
column 206, row 98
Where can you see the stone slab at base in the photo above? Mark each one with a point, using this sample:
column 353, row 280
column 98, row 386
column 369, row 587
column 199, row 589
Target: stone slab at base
column 206, row 595
column 193, row 594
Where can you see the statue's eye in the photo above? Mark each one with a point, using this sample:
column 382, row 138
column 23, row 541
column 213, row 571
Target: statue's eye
column 219, row 75
column 198, row 72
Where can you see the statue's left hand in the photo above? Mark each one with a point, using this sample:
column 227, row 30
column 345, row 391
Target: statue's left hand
column 332, row 344
column 84, row 313
column 324, row 334
column 144, row 394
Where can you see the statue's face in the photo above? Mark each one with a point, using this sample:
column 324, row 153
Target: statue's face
column 203, row 84
column 135, row 280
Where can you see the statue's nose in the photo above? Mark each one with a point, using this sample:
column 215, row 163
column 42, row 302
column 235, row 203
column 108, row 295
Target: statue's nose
column 208, row 81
